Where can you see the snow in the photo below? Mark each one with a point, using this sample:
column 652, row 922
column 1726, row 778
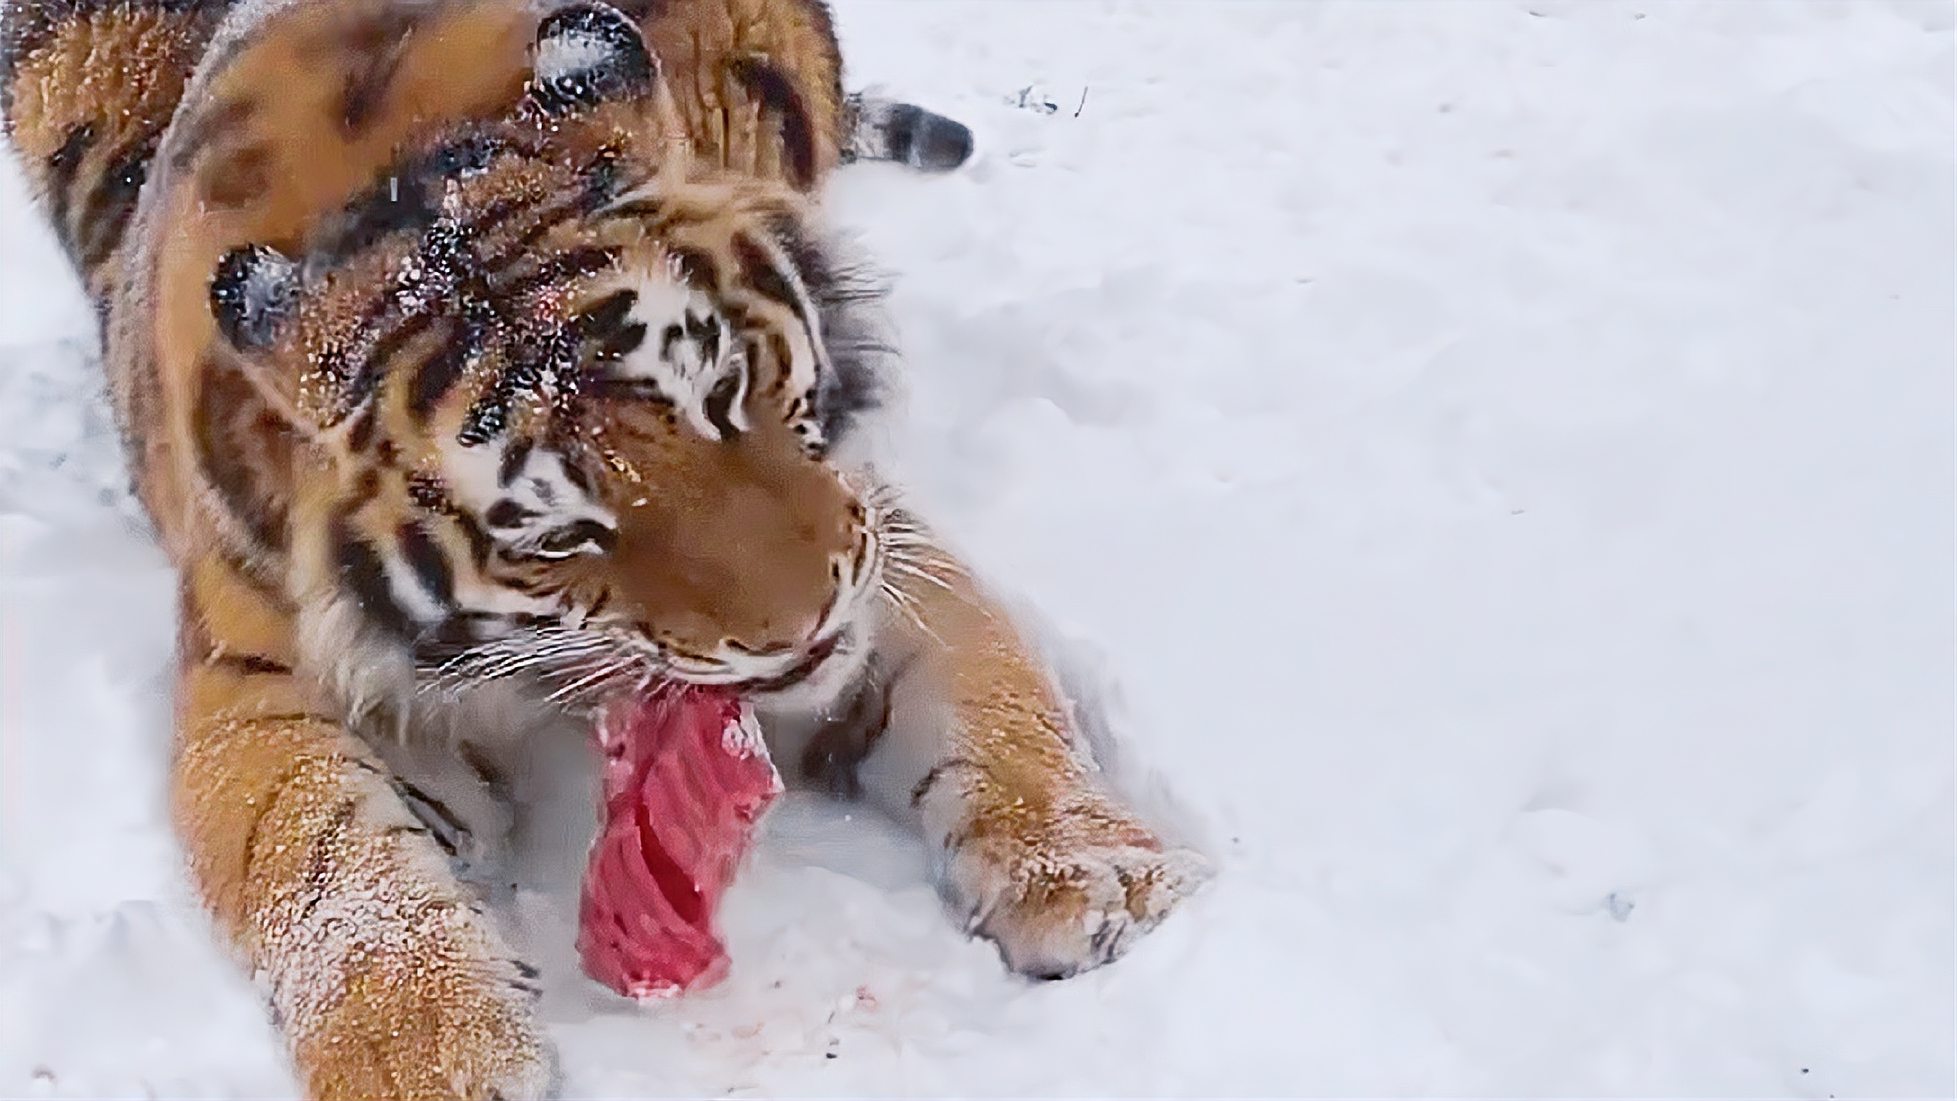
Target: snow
column 1497, row 459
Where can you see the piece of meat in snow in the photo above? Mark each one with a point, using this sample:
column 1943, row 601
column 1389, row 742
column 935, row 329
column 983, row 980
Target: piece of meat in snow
column 686, row 781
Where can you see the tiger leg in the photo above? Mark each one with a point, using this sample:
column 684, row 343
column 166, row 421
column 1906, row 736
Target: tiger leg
column 1032, row 847
column 383, row 972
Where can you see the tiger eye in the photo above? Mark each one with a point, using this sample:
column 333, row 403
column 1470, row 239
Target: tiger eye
column 572, row 538
column 561, row 541
column 720, row 405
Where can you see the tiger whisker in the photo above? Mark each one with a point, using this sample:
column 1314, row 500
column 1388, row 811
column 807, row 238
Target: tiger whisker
column 506, row 657
column 605, row 671
column 910, row 607
column 911, row 569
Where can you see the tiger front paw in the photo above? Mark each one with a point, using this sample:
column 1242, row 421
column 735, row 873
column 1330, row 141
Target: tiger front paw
column 438, row 1026
column 1075, row 896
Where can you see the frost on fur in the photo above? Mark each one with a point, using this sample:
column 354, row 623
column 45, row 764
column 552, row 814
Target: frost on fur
column 253, row 291
column 587, row 54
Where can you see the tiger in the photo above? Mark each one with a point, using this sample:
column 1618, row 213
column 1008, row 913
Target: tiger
column 479, row 361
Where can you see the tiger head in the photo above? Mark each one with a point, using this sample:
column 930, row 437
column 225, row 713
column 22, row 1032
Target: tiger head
column 574, row 404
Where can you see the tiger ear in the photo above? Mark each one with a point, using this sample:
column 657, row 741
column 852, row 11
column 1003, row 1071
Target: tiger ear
column 254, row 292
column 588, row 53
column 254, row 300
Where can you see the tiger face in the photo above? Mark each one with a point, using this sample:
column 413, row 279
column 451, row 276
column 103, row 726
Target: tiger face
column 575, row 414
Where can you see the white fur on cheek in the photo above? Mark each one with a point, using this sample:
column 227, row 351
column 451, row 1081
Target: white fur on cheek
column 349, row 656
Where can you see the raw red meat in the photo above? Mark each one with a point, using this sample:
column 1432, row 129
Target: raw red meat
column 686, row 780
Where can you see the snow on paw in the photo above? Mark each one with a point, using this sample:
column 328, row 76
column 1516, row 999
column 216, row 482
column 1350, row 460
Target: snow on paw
column 461, row 1031
column 1057, row 909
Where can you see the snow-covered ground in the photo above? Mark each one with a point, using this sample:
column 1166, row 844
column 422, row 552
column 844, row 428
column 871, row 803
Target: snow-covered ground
column 1501, row 455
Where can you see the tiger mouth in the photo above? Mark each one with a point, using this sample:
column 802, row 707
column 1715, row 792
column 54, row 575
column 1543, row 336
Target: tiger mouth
column 801, row 671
